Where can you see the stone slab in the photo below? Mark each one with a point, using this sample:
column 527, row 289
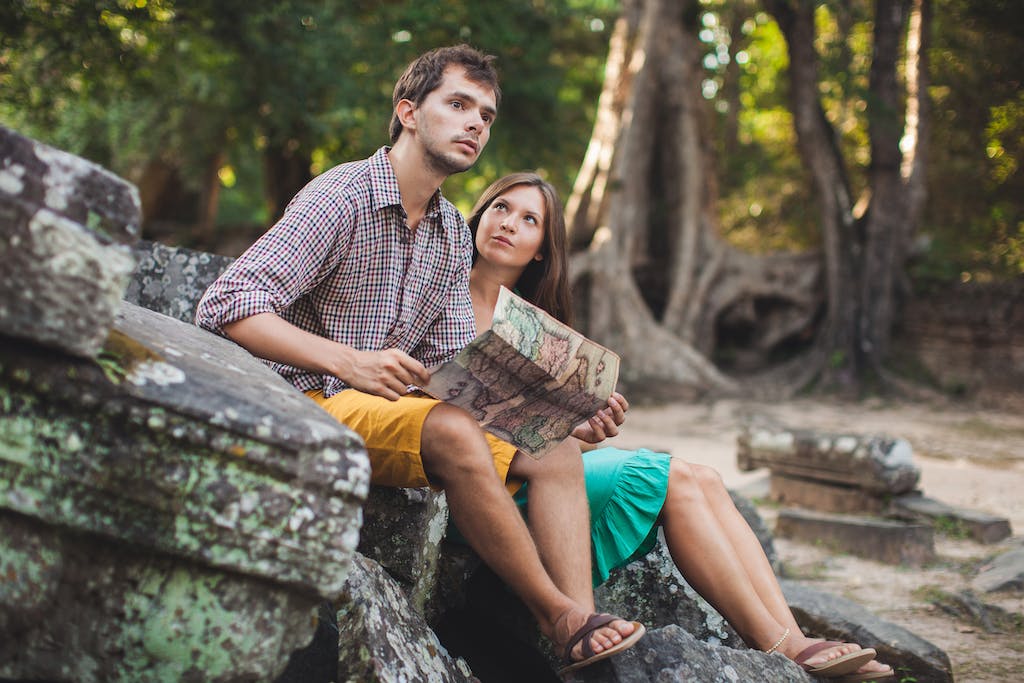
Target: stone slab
column 1004, row 572
column 980, row 526
column 826, row 615
column 171, row 280
column 78, row 608
column 382, row 639
column 402, row 531
column 883, row 540
column 875, row 463
column 822, row 497
column 65, row 227
column 671, row 654
column 179, row 441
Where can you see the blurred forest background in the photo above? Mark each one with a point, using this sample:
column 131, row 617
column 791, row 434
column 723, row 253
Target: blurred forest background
column 761, row 185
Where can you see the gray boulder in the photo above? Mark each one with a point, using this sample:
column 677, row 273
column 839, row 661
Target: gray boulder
column 672, row 654
column 65, row 227
column 176, row 486
column 382, row 638
column 1004, row 572
column 830, row 616
column 171, row 280
column 402, row 531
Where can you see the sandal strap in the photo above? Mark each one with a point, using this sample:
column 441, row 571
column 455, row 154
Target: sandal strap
column 815, row 649
column 593, row 622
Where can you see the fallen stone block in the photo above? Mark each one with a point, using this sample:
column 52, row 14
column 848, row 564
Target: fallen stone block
column 381, row 638
column 672, row 654
column 1004, row 572
column 829, row 616
column 402, row 531
column 174, row 444
column 814, row 495
column 65, row 227
column 79, row 608
column 979, row 526
column 888, row 541
column 878, row 464
column 652, row 591
column 172, row 280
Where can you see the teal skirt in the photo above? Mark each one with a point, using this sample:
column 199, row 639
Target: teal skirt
column 626, row 491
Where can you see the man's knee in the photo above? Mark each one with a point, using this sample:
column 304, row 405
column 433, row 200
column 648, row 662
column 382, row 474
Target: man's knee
column 452, row 441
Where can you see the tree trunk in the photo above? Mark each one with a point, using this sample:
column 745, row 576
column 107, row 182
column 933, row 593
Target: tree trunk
column 663, row 289
column 884, row 222
column 819, row 149
column 588, row 204
column 864, row 260
column 918, row 119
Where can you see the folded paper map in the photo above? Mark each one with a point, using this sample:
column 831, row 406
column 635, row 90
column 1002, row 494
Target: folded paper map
column 529, row 380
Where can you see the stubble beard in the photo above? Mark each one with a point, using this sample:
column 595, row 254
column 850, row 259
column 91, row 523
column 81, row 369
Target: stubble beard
column 447, row 164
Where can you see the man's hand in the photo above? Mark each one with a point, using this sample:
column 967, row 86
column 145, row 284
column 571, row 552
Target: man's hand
column 605, row 423
column 384, row 373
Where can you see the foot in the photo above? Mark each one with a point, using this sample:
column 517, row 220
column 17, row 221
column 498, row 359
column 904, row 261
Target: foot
column 601, row 639
column 872, row 671
column 794, row 646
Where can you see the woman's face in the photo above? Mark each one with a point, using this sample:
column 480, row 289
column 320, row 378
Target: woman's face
column 511, row 229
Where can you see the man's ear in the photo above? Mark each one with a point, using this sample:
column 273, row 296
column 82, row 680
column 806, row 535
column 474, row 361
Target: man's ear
column 405, row 110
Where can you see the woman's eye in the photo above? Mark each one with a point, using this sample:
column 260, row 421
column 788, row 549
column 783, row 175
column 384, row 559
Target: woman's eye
column 532, row 219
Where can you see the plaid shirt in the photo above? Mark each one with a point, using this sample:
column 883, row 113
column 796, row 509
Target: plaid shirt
column 341, row 263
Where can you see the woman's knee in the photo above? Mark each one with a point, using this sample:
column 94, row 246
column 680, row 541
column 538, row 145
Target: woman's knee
column 707, row 477
column 682, row 479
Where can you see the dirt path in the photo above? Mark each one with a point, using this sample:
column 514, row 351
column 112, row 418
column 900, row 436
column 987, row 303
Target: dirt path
column 969, row 456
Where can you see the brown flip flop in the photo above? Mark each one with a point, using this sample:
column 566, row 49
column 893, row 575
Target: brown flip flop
column 594, row 622
column 867, row 676
column 834, row 668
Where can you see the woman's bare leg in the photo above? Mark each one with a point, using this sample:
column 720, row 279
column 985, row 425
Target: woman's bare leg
column 705, row 555
column 719, row 555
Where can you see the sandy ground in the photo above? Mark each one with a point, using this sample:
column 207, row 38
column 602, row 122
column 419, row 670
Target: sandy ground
column 970, row 457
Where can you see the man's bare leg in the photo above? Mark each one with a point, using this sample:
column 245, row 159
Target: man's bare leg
column 456, row 456
column 559, row 523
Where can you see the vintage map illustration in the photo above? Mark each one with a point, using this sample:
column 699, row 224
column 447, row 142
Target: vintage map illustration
column 529, row 379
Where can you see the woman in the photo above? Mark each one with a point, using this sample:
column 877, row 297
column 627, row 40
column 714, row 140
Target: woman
column 519, row 242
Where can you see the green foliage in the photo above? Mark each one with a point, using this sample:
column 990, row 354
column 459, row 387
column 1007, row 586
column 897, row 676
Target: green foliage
column 125, row 82
column 193, row 84
column 975, row 215
column 951, row 527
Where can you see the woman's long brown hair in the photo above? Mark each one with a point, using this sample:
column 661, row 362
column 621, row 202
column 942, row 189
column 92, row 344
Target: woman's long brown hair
column 544, row 283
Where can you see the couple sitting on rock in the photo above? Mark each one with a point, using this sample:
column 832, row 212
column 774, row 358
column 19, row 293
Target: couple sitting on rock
column 371, row 276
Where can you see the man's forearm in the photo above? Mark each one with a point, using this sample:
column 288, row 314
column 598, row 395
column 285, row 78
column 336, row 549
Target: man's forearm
column 270, row 336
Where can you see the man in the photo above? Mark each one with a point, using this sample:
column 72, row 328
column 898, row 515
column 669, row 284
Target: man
column 361, row 285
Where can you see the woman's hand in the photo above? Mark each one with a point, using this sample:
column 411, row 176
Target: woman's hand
column 605, row 423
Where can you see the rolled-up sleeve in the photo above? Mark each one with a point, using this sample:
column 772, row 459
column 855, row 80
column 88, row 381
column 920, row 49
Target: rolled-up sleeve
column 288, row 261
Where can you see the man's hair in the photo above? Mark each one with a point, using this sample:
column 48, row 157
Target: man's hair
column 425, row 74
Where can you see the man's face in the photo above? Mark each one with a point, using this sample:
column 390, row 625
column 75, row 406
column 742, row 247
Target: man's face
column 453, row 123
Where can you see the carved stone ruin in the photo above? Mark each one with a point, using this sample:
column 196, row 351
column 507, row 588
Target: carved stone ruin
column 856, row 493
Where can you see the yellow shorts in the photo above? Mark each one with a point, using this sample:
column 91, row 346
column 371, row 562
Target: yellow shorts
column 391, row 431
